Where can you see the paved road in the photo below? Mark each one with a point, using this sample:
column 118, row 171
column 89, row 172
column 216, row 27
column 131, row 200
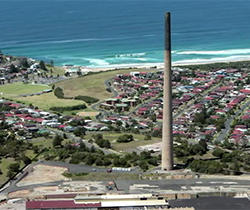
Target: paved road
column 153, row 186
column 189, row 105
column 212, row 203
column 225, row 131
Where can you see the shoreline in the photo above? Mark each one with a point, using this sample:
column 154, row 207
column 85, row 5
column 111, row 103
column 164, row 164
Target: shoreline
column 160, row 65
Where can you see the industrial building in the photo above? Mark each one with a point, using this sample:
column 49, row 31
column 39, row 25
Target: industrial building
column 118, row 201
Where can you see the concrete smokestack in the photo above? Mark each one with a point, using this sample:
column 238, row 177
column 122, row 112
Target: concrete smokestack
column 167, row 130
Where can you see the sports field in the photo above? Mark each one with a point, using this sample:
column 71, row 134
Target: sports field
column 19, row 88
column 48, row 100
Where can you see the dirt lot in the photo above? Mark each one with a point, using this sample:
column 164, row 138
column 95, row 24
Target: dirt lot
column 43, row 174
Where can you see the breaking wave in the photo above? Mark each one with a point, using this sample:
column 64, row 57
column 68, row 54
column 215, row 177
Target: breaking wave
column 214, row 60
column 218, row 52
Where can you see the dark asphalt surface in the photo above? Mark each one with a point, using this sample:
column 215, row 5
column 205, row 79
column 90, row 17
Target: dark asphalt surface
column 213, row 203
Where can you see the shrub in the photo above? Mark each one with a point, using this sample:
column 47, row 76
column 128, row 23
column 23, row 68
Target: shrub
column 68, row 108
column 87, row 99
column 58, row 92
column 125, row 138
column 108, row 90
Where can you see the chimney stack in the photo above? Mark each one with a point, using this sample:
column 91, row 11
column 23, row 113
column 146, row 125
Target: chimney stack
column 167, row 129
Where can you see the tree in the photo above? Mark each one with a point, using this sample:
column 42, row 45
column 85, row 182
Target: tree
column 106, row 162
column 235, row 168
column 80, row 131
column 13, row 69
column 65, row 136
column 203, row 144
column 125, row 138
column 57, row 141
column 89, row 160
column 99, row 162
column 26, row 160
column 25, row 63
column 218, row 152
column 58, row 92
column 143, row 165
column 42, row 65
column 12, row 169
column 106, row 144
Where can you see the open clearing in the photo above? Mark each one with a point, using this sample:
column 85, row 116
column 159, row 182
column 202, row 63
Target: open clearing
column 19, row 88
column 92, row 85
column 41, row 174
column 5, row 162
column 45, row 101
column 138, row 140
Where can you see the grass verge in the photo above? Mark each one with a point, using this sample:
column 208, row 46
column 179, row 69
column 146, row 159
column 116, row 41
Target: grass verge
column 101, row 176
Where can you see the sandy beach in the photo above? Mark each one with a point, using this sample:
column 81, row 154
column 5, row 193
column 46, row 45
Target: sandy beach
column 160, row 66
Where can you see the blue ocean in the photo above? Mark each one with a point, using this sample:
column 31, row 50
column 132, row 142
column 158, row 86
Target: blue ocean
column 116, row 33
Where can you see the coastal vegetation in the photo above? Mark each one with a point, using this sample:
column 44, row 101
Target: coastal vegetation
column 220, row 65
column 92, row 84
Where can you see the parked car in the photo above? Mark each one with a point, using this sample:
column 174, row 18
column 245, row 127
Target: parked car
column 109, row 170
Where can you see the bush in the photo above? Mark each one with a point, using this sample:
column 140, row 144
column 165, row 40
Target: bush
column 58, row 92
column 87, row 99
column 125, row 138
column 208, row 167
column 108, row 90
column 68, row 108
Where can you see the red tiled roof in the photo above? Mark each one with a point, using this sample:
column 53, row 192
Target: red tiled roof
column 214, row 116
column 240, row 126
column 209, row 98
column 63, row 204
column 245, row 117
column 15, row 105
column 245, row 91
column 62, row 126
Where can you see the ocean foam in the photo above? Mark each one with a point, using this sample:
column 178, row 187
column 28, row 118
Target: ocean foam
column 130, row 55
column 97, row 62
column 218, row 52
column 213, row 60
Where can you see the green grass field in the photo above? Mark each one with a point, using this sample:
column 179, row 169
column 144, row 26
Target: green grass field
column 138, row 141
column 43, row 143
column 5, row 162
column 91, row 85
column 45, row 101
column 56, row 70
column 19, row 88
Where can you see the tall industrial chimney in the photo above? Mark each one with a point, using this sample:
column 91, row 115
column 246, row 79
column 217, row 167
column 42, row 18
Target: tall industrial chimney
column 167, row 130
